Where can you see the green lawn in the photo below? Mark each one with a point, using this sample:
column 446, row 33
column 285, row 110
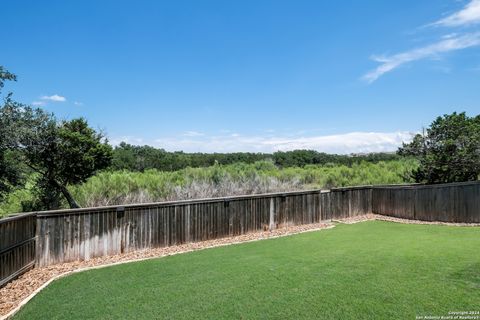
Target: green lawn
column 370, row 270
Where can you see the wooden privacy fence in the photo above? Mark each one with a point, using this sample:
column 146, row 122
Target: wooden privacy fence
column 81, row 234
column 450, row 202
column 17, row 246
column 50, row 237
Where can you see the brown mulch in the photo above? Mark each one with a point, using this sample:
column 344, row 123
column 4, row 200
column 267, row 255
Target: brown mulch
column 356, row 219
column 15, row 292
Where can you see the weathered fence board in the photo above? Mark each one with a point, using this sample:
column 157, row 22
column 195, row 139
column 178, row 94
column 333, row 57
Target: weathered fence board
column 347, row 202
column 17, row 246
column 452, row 202
column 397, row 201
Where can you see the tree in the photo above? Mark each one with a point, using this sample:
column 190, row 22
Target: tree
column 449, row 150
column 64, row 154
column 60, row 153
column 9, row 169
column 10, row 176
column 5, row 75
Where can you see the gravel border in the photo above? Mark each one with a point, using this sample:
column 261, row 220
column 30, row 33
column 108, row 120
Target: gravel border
column 372, row 216
column 21, row 290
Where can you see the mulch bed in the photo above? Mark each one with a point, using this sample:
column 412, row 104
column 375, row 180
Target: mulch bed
column 17, row 291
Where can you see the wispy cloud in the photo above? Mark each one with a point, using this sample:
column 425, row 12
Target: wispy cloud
column 192, row 134
column 77, row 103
column 38, row 103
column 468, row 15
column 54, row 98
column 389, row 63
column 353, row 142
column 453, row 41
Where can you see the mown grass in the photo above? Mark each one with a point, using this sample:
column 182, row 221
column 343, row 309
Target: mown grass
column 371, row 270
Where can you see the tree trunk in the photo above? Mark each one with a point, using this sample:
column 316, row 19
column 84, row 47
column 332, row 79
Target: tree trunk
column 68, row 196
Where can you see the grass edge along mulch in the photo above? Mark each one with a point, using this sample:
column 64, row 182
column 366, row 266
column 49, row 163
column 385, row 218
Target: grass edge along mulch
column 379, row 217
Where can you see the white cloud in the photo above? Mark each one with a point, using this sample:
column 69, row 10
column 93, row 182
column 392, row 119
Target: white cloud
column 450, row 35
column 354, row 142
column 192, row 134
column 77, row 103
column 38, row 103
column 470, row 14
column 54, row 98
column 128, row 139
column 389, row 63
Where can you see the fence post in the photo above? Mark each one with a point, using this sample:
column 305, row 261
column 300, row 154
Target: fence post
column 271, row 225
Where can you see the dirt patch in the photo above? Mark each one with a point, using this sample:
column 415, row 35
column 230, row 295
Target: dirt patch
column 19, row 291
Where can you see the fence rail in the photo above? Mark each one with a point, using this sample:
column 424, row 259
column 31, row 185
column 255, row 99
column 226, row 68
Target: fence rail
column 51, row 237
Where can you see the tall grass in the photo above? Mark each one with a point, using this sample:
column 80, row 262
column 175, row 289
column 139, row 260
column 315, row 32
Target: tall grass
column 122, row 187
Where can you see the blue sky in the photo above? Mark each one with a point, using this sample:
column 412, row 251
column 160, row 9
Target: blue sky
column 349, row 76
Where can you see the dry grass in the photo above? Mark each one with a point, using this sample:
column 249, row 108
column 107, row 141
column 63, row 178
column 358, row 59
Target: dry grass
column 198, row 189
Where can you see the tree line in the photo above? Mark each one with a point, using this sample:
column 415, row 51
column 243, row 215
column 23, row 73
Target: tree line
column 141, row 158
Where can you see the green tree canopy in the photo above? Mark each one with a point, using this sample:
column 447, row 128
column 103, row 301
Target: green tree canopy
column 449, row 151
column 61, row 153
column 9, row 168
column 5, row 75
column 141, row 158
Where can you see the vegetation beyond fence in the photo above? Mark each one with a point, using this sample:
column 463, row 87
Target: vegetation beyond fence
column 78, row 234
